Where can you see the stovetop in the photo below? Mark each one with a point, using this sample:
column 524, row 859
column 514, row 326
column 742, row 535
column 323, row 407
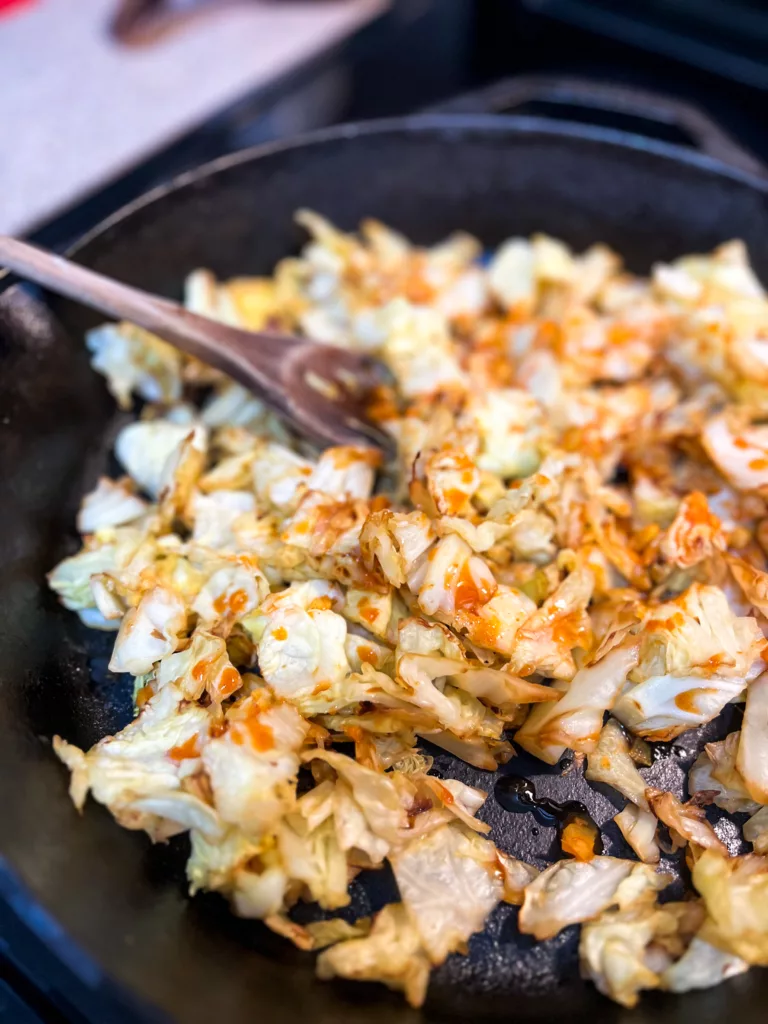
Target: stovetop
column 440, row 50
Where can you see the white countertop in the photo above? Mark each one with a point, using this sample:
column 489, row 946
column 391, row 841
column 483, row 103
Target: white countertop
column 78, row 108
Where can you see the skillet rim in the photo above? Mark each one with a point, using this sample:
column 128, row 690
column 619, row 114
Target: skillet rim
column 516, row 123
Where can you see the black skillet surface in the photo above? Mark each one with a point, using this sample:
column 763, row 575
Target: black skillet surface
column 115, row 910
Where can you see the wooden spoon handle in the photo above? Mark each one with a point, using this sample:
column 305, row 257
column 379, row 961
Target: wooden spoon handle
column 212, row 342
column 60, row 275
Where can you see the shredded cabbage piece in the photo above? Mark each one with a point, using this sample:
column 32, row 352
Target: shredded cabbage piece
column 573, row 891
column 735, row 893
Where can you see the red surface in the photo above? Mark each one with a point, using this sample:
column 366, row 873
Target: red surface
column 8, row 6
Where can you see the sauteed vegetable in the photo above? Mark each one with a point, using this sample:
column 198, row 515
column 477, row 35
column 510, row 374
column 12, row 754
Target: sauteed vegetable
column 568, row 555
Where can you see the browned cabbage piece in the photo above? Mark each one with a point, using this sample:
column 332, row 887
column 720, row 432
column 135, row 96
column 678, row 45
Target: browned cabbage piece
column 610, row 762
column 735, row 893
column 639, row 829
column 752, row 758
column 573, row 891
column 687, row 822
column 575, row 524
column 715, row 778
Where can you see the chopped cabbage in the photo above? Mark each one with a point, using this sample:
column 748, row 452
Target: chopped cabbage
column 575, row 721
column 686, row 821
column 610, row 762
column 135, row 362
column 752, row 759
column 756, row 830
column 575, row 523
column 392, row 953
column 112, row 503
column 715, row 778
column 735, row 892
column 662, row 707
column 149, row 632
column 145, row 449
column 448, row 861
column 638, row 827
column 572, row 891
column 139, row 773
column 701, row 966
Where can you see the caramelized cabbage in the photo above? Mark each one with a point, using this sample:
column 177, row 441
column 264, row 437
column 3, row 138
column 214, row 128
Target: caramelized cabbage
column 575, row 523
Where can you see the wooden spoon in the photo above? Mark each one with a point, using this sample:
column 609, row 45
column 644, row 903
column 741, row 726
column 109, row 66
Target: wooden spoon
column 320, row 389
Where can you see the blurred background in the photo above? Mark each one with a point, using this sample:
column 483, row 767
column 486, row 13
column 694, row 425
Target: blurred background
column 104, row 99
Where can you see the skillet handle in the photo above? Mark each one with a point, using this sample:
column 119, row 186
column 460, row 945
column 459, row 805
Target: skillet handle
column 510, row 93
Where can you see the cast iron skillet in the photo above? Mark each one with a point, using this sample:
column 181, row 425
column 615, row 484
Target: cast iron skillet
column 115, row 910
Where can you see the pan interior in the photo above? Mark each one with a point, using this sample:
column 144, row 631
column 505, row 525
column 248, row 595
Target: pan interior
column 123, row 902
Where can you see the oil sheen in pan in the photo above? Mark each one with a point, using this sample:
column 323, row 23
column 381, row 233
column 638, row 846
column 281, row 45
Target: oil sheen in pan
column 515, row 793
